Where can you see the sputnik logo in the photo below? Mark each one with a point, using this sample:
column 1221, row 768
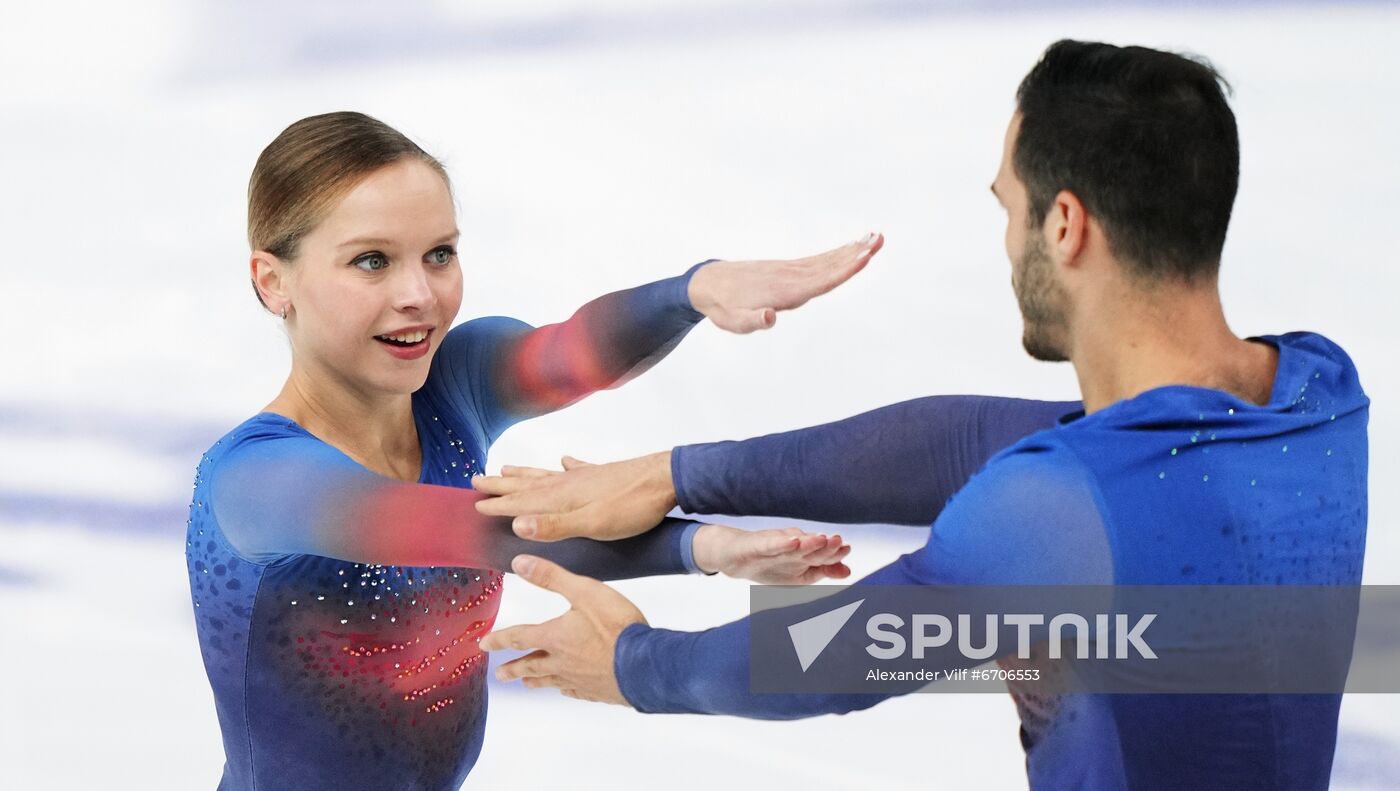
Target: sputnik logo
column 812, row 636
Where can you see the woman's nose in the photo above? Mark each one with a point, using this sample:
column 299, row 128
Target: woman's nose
column 412, row 289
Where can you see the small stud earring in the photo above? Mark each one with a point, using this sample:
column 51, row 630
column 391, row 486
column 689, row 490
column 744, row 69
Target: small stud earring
column 284, row 312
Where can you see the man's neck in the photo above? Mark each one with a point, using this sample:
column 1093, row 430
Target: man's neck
column 1137, row 339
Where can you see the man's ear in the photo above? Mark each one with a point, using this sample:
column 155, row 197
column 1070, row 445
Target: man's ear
column 1066, row 229
column 268, row 273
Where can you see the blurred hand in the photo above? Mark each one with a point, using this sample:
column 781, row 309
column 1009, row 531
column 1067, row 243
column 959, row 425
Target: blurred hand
column 600, row 501
column 573, row 652
column 743, row 296
column 787, row 556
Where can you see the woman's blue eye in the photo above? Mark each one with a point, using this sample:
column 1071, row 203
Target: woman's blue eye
column 369, row 258
column 442, row 256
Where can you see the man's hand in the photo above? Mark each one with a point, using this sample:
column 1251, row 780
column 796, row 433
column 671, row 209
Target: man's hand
column 601, row 501
column 772, row 557
column 573, row 652
column 743, row 296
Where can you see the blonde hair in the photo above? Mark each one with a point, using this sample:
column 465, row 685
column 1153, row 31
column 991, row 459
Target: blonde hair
column 302, row 174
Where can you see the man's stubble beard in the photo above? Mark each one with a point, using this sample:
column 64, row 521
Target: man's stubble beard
column 1043, row 302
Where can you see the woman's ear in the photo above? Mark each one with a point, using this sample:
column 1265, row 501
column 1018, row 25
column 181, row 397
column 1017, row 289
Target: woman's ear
column 269, row 281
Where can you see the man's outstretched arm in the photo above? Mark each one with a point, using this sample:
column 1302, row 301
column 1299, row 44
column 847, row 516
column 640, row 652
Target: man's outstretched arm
column 1030, row 519
column 898, row 464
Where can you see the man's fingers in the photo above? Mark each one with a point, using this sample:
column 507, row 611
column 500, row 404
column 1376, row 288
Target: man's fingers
column 512, row 471
column 536, row 682
column 523, row 496
column 499, row 485
column 571, row 463
column 533, row 665
column 553, row 577
column 555, row 526
column 516, row 638
column 505, row 504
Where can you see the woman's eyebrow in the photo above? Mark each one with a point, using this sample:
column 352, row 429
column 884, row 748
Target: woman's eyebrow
column 389, row 242
column 366, row 240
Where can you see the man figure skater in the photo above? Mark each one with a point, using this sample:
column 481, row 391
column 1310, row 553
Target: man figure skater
column 1198, row 457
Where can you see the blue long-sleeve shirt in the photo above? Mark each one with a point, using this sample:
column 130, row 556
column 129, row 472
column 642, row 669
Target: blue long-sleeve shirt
column 338, row 610
column 1178, row 485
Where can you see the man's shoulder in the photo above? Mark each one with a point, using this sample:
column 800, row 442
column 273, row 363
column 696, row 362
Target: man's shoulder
column 1037, row 467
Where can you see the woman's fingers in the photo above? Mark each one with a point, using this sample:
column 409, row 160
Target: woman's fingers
column 836, row 571
column 782, row 545
column 822, row 273
column 832, row 556
column 827, row 553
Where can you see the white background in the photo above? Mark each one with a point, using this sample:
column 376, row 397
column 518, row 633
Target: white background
column 595, row 145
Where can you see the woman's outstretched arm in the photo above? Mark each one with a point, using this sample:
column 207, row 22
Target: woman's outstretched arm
column 511, row 371
column 287, row 494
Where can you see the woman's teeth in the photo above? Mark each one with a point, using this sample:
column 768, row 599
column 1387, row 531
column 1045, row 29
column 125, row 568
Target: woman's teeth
column 407, row 338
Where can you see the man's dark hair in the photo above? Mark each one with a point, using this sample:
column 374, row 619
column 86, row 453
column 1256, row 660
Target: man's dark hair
column 1145, row 139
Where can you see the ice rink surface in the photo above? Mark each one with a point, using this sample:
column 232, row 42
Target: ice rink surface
column 597, row 145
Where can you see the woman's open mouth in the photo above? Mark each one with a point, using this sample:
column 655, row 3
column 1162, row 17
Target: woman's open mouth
column 406, row 346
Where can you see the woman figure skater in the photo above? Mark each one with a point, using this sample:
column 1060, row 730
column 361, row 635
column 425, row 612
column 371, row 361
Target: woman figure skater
column 340, row 573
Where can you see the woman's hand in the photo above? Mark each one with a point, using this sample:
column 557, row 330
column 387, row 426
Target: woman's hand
column 786, row 556
column 743, row 296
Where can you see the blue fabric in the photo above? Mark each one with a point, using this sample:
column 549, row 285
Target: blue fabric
column 687, row 543
column 898, row 464
column 1179, row 485
column 332, row 665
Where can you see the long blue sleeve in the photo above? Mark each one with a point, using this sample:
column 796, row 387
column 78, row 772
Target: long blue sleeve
column 505, row 371
column 897, row 464
column 278, row 491
column 665, row 549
